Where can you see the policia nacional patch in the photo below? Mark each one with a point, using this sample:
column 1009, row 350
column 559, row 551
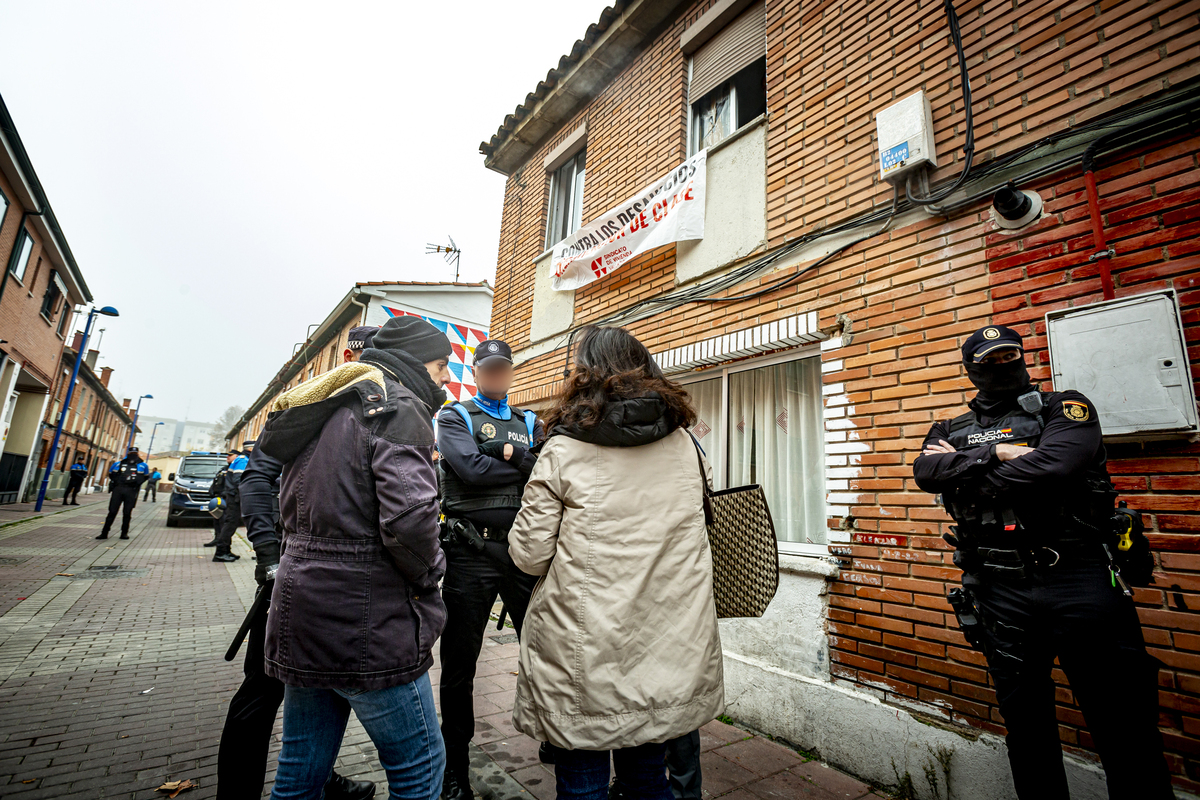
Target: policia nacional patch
column 1075, row 410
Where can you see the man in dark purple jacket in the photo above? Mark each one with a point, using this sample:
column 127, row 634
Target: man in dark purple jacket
column 355, row 608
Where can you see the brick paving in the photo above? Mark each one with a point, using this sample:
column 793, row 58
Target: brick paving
column 112, row 681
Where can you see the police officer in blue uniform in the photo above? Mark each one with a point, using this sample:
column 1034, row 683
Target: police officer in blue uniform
column 1023, row 475
column 486, row 456
column 125, row 477
column 79, row 472
column 232, row 517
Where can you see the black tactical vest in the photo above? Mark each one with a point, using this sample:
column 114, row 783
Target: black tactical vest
column 458, row 497
column 126, row 473
column 1071, row 511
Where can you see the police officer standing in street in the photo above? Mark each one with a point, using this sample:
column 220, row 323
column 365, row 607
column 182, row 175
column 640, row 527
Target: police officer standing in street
column 486, row 459
column 232, row 517
column 79, row 472
column 124, row 479
column 1041, row 548
column 217, row 490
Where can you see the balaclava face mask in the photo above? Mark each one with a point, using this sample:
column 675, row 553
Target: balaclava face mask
column 999, row 384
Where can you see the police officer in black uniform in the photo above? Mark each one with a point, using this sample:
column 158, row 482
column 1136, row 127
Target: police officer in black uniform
column 486, row 458
column 217, row 489
column 79, row 472
column 1023, row 475
column 232, row 517
column 124, row 479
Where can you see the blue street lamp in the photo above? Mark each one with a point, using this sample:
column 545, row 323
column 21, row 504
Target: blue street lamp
column 107, row 311
column 136, row 412
column 153, row 431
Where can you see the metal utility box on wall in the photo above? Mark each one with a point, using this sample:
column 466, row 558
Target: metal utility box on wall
column 905, row 134
column 1129, row 357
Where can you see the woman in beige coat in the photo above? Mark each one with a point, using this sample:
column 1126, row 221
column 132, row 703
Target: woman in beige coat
column 621, row 650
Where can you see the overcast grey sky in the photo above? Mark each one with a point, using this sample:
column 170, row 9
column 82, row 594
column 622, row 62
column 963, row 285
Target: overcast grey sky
column 224, row 171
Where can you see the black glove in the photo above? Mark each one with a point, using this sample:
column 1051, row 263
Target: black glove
column 267, row 565
column 494, row 448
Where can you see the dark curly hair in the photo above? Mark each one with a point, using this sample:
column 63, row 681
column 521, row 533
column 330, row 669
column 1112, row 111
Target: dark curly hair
column 611, row 364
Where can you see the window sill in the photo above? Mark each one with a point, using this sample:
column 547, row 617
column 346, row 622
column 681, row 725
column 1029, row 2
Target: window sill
column 43, row 316
column 761, row 119
column 807, row 564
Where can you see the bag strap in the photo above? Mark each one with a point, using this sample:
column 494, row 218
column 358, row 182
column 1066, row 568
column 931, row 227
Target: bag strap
column 708, row 511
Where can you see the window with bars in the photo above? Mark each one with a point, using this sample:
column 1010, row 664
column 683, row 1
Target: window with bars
column 763, row 424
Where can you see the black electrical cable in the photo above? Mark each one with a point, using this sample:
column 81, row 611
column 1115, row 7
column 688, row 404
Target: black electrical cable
column 795, row 278
column 969, row 147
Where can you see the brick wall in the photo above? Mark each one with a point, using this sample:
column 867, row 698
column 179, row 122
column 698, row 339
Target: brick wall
column 30, row 339
column 898, row 306
column 1036, row 66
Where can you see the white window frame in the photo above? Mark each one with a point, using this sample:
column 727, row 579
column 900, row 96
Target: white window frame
column 723, row 371
column 575, row 211
column 693, row 116
column 23, row 236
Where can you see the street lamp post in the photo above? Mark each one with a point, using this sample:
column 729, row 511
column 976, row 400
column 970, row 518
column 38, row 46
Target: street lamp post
column 153, row 431
column 136, row 412
column 107, row 311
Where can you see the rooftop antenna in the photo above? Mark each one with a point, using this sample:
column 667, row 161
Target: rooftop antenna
column 451, row 250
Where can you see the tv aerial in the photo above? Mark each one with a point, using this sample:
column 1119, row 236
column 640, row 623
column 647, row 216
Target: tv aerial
column 452, row 251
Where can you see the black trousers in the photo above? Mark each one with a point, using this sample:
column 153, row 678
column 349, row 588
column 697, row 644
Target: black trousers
column 73, row 488
column 151, row 490
column 229, row 522
column 242, row 756
column 473, row 579
column 121, row 496
column 1073, row 612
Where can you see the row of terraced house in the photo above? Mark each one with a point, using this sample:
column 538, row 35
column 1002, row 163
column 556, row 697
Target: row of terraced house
column 41, row 292
column 817, row 321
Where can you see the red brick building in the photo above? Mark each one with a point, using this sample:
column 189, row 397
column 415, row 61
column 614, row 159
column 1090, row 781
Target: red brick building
column 96, row 425
column 819, row 349
column 39, row 291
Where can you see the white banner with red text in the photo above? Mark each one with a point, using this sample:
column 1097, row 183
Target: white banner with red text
column 669, row 210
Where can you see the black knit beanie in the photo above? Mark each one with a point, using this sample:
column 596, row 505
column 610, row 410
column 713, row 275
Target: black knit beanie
column 414, row 336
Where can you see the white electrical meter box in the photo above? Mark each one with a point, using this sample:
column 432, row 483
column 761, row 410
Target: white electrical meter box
column 1129, row 357
column 905, row 135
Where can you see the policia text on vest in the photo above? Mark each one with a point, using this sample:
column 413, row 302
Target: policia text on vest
column 1023, row 475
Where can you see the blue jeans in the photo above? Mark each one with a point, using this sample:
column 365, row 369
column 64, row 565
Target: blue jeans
column 583, row 774
column 400, row 721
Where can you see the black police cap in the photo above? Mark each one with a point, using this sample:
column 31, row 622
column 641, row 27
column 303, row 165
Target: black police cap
column 492, row 350
column 988, row 340
column 360, row 338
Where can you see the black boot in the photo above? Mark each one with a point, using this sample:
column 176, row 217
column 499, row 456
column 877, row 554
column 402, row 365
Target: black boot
column 226, row 557
column 102, row 536
column 456, row 787
column 339, row 787
column 124, row 535
column 213, row 543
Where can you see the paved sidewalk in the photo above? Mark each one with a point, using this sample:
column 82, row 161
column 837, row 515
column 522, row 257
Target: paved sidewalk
column 21, row 512
column 112, row 679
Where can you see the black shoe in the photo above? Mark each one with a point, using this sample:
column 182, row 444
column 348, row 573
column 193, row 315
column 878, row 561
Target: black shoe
column 339, row 787
column 124, row 535
column 226, row 557
column 213, row 543
column 74, row 504
column 102, row 536
column 456, row 787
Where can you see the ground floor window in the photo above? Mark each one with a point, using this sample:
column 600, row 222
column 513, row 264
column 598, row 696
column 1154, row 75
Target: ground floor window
column 761, row 422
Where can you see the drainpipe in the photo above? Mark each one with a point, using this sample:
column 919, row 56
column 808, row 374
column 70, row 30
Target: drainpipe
column 1102, row 252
